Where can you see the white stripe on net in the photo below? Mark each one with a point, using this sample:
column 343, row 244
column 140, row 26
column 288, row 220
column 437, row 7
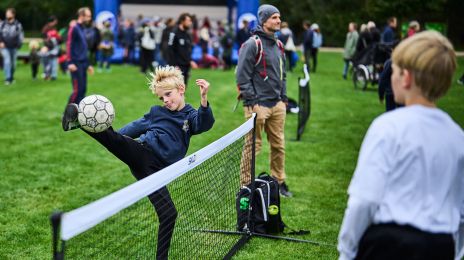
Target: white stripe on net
column 81, row 219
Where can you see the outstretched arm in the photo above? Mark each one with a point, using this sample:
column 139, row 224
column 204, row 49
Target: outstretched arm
column 203, row 119
column 204, row 87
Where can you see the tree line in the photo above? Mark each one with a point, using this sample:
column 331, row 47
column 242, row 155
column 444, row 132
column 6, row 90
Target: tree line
column 332, row 16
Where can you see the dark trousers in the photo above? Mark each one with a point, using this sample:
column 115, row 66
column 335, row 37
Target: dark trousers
column 146, row 59
column 392, row 241
column 93, row 56
column 104, row 61
column 390, row 103
column 129, row 55
column 79, row 83
column 142, row 163
column 307, row 55
column 314, row 56
column 185, row 72
column 34, row 69
column 288, row 57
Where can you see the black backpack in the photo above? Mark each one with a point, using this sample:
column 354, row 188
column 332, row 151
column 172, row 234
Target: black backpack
column 265, row 212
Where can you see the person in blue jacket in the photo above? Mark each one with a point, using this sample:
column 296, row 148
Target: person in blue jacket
column 77, row 49
column 159, row 138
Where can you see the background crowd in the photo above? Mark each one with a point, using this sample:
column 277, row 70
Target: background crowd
column 144, row 41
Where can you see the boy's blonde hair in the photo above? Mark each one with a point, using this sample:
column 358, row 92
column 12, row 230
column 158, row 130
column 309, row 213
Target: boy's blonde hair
column 166, row 77
column 431, row 59
column 34, row 44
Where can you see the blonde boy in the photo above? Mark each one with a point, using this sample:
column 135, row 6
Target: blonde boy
column 407, row 190
column 163, row 136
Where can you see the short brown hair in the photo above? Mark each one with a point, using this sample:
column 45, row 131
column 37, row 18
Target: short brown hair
column 355, row 25
column 306, row 23
column 431, row 59
column 82, row 10
column 182, row 17
column 12, row 10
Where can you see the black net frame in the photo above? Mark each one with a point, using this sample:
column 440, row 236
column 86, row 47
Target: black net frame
column 202, row 229
column 304, row 103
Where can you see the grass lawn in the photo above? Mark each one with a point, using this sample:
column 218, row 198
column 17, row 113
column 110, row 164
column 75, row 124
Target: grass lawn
column 43, row 169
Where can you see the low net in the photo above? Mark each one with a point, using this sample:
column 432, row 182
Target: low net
column 185, row 211
column 304, row 102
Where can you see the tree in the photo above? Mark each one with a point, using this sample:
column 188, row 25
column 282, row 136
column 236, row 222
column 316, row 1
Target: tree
column 333, row 16
column 34, row 14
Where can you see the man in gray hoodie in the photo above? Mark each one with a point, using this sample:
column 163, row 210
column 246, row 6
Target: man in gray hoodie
column 11, row 39
column 262, row 85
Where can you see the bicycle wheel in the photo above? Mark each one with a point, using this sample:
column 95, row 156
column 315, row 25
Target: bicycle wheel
column 360, row 78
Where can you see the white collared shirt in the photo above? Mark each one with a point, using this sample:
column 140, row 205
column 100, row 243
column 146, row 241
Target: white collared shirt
column 410, row 171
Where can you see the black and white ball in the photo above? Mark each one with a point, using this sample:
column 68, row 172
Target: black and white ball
column 96, row 113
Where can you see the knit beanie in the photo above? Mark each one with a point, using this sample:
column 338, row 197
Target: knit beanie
column 266, row 11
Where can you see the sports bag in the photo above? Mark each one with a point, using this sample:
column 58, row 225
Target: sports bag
column 265, row 211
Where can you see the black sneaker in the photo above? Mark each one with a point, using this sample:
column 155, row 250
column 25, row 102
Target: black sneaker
column 284, row 191
column 69, row 120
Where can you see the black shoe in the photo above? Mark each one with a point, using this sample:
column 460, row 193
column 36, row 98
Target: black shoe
column 284, row 191
column 69, row 120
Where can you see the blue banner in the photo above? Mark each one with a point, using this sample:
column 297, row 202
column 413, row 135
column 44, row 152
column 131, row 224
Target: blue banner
column 247, row 10
column 107, row 10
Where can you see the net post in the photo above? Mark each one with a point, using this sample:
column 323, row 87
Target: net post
column 298, row 133
column 250, row 224
column 243, row 240
column 292, row 239
column 55, row 220
column 253, row 151
column 304, row 102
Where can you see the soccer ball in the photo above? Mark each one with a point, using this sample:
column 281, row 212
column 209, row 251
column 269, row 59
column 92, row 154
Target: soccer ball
column 96, row 113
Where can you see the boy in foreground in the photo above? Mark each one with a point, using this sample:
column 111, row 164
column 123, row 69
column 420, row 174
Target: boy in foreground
column 163, row 138
column 406, row 195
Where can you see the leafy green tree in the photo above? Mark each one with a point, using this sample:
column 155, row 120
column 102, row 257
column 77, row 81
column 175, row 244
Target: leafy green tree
column 34, row 14
column 333, row 16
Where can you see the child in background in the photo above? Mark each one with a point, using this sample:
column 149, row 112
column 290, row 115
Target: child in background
column 317, row 43
column 53, row 44
column 34, row 58
column 106, row 46
column 406, row 196
column 45, row 58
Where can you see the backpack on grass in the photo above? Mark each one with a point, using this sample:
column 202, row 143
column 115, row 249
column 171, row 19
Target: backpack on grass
column 265, row 209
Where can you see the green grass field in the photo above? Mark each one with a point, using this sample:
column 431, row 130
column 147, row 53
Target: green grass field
column 43, row 168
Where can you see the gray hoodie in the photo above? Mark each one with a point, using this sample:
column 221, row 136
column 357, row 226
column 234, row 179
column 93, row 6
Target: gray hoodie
column 254, row 87
column 11, row 34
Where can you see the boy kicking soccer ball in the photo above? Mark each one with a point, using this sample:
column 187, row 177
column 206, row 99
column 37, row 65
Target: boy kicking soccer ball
column 163, row 136
column 406, row 195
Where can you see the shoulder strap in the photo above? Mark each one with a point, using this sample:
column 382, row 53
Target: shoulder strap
column 260, row 56
column 281, row 47
column 259, row 48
